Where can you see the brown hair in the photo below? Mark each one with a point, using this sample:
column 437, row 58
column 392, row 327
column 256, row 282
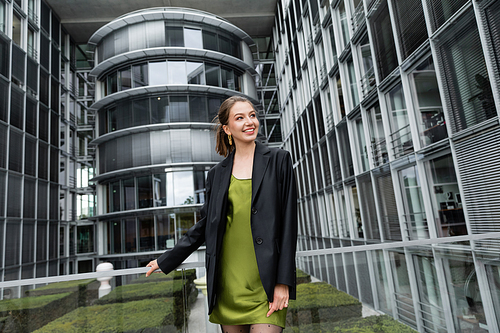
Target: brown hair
column 222, row 146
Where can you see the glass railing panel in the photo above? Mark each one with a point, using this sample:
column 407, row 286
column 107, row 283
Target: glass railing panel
column 322, row 307
column 134, row 303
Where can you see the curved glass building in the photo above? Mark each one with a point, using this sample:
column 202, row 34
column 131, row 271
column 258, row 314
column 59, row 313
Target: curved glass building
column 161, row 75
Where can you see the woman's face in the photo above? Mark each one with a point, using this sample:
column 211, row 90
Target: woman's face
column 243, row 124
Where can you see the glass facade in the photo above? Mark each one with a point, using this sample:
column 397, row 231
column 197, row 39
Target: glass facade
column 154, row 149
column 408, row 108
column 38, row 156
column 171, row 33
column 389, row 109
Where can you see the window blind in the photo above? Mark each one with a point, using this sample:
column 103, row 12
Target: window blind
column 4, row 57
column 31, row 118
column 385, row 49
column 44, row 51
column 18, row 63
column 462, row 62
column 387, row 206
column 410, row 23
column 479, row 167
column 326, row 164
column 368, row 212
column 32, row 75
column 16, row 107
column 492, row 21
column 442, row 10
column 3, row 148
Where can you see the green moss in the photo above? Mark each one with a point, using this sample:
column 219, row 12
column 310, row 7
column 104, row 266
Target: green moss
column 302, row 277
column 30, row 313
column 151, row 315
column 373, row 324
column 320, row 302
column 64, row 285
column 321, row 294
column 29, row 302
column 134, row 292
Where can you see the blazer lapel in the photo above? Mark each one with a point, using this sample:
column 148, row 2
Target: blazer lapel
column 222, row 183
column 260, row 162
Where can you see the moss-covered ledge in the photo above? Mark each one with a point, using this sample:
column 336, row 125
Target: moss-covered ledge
column 29, row 313
column 372, row 324
column 149, row 315
column 320, row 302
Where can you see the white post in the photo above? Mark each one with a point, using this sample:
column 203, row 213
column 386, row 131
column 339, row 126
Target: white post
column 105, row 287
column 201, row 284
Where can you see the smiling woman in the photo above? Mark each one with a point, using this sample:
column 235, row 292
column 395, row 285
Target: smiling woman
column 249, row 225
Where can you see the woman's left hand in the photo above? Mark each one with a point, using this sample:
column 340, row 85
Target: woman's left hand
column 280, row 299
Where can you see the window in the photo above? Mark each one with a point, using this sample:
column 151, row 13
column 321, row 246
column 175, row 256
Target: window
column 146, row 233
column 174, row 36
column 176, row 72
column 4, row 64
column 85, row 239
column 427, row 103
column 353, row 83
column 345, row 151
column 165, row 230
column 140, row 75
column 195, row 73
column 343, row 222
column 145, row 192
column 157, row 73
column 356, row 213
column 130, row 233
column 442, row 10
column 179, row 109
column 128, row 194
column 31, row 44
column 387, row 206
column 193, row 38
column 212, row 74
column 410, row 24
column 415, row 219
column 340, row 99
column 16, row 29
column 400, row 128
column 2, row 16
column 344, row 24
column 369, row 212
column 366, row 66
column 462, row 279
column 124, row 79
column 446, row 197
column 385, row 49
column 210, row 40
column 332, row 41
column 469, row 97
column 361, row 145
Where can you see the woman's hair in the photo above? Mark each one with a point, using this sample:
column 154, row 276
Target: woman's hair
column 222, row 146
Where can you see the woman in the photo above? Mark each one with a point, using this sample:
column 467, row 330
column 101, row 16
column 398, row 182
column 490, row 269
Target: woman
column 249, row 225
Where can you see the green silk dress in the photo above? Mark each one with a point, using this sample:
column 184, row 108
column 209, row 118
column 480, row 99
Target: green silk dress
column 241, row 299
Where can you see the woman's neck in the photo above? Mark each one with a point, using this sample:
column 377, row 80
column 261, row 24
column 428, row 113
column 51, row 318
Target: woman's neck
column 245, row 150
column 243, row 161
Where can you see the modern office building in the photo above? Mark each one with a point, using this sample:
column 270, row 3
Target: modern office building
column 390, row 110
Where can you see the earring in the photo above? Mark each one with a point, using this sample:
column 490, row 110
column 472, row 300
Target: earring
column 230, row 137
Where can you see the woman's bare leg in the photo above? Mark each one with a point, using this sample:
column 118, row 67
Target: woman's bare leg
column 235, row 328
column 265, row 328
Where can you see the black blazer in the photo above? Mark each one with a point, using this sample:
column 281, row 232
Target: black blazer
column 273, row 222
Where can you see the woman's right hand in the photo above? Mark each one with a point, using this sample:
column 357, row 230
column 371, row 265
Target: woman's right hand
column 154, row 266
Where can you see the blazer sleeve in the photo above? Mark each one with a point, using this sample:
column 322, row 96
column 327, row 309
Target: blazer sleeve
column 191, row 241
column 288, row 239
